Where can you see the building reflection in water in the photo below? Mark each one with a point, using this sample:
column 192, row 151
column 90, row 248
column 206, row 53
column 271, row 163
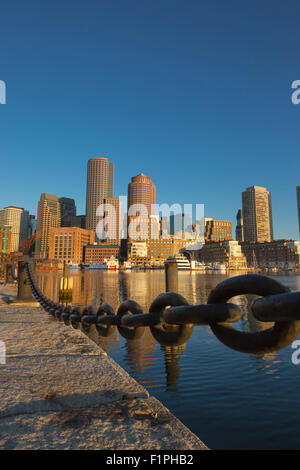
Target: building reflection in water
column 92, row 288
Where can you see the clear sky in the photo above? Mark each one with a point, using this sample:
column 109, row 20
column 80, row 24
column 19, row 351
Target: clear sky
column 195, row 94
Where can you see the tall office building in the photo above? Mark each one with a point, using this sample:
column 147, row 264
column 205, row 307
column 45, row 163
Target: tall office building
column 100, row 177
column 18, row 219
column 298, row 203
column 239, row 230
column 141, row 200
column 48, row 217
column 257, row 214
column 141, row 190
column 113, row 219
column 67, row 211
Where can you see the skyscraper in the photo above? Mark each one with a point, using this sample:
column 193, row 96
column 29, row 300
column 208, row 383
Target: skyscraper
column 48, row 216
column 239, row 230
column 298, row 203
column 18, row 219
column 141, row 190
column 141, row 201
column 67, row 211
column 257, row 214
column 100, row 176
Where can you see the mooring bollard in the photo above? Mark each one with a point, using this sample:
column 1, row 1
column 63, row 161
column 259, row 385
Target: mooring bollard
column 171, row 276
column 24, row 289
column 66, row 271
column 9, row 275
column 66, row 284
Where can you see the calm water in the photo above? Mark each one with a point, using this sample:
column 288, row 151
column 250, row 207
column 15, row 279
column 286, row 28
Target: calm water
column 229, row 399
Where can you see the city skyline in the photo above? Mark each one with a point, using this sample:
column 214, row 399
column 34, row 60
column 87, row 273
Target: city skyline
column 181, row 94
column 110, row 190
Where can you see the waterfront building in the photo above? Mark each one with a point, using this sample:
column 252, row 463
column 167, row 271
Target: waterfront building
column 298, row 204
column 100, row 252
column 67, row 211
column 154, row 252
column 226, row 252
column 48, row 217
column 282, row 254
column 5, row 239
column 217, row 230
column 257, row 214
column 67, row 243
column 100, row 177
column 18, row 219
column 239, row 231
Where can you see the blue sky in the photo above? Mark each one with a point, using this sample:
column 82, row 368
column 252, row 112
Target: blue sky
column 195, row 94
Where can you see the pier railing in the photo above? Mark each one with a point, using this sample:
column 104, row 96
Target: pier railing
column 171, row 318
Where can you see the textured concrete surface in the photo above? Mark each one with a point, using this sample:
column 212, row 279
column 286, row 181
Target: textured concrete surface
column 58, row 390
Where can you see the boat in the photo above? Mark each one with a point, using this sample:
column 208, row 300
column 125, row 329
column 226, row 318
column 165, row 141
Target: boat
column 182, row 261
column 125, row 266
column 112, row 264
column 218, row 267
column 197, row 266
column 74, row 266
column 97, row 267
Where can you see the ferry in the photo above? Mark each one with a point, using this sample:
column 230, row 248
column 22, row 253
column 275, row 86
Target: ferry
column 182, row 261
column 97, row 267
column 112, row 264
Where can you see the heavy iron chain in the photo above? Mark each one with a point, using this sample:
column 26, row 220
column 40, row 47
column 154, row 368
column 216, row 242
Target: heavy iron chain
column 171, row 318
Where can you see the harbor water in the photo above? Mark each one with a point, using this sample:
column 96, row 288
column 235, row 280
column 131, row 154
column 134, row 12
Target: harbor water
column 229, row 399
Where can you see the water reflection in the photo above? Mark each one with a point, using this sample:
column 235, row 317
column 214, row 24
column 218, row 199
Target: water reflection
column 93, row 288
column 200, row 372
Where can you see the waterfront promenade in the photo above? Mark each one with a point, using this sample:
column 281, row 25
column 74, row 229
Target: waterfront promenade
column 59, row 390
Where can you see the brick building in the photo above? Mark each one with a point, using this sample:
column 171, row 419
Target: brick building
column 100, row 252
column 67, row 243
column 227, row 252
column 217, row 230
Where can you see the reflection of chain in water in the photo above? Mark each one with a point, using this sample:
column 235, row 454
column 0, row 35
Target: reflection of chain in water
column 140, row 358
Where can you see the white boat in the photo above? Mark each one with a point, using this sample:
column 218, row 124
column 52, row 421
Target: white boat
column 97, row 267
column 181, row 261
column 218, row 267
column 74, row 266
column 197, row 266
column 112, row 264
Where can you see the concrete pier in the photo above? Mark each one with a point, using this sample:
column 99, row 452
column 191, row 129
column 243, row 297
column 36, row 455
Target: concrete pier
column 59, row 390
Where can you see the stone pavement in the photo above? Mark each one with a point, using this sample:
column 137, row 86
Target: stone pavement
column 59, row 390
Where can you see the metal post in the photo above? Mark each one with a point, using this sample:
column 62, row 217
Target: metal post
column 24, row 289
column 171, row 275
column 66, row 271
column 9, row 278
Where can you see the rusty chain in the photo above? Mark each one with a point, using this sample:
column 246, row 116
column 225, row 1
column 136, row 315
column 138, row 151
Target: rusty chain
column 171, row 318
